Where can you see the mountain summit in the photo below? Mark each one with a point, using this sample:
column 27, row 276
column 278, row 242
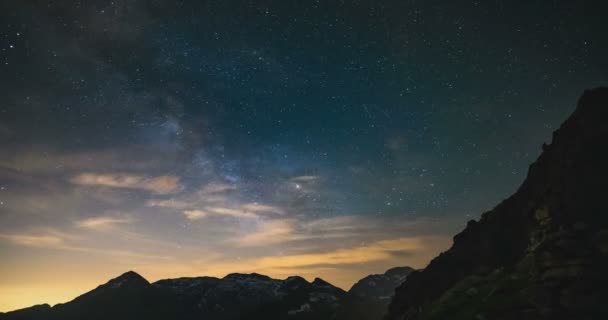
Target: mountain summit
column 540, row 254
column 128, row 279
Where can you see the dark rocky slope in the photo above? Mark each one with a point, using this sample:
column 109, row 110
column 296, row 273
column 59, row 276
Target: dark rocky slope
column 540, row 254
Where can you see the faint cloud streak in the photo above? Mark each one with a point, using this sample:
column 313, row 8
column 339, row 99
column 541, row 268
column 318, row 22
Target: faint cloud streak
column 160, row 184
column 267, row 233
column 102, row 223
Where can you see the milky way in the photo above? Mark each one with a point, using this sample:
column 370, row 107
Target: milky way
column 183, row 138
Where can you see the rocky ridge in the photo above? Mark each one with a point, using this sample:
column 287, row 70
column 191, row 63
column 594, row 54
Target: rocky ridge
column 540, row 254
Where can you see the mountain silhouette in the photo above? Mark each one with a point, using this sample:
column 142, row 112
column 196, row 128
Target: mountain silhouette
column 236, row 296
column 541, row 253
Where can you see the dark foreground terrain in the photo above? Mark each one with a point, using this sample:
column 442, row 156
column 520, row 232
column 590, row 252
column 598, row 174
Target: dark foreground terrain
column 540, row 254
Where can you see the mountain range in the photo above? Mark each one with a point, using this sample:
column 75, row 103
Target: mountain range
column 236, row 296
column 540, row 254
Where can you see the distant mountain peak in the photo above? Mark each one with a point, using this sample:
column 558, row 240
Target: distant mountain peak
column 295, row 281
column 399, row 271
column 130, row 275
column 127, row 279
column 321, row 283
column 253, row 276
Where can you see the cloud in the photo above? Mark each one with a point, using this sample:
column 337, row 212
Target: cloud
column 261, row 208
column 215, row 188
column 169, row 203
column 211, row 194
column 305, row 178
column 195, row 214
column 102, row 223
column 363, row 253
column 337, row 223
column 160, row 184
column 275, row 231
column 342, row 265
column 268, row 232
column 33, row 240
column 248, row 210
column 298, row 234
column 45, row 159
column 234, row 212
column 56, row 240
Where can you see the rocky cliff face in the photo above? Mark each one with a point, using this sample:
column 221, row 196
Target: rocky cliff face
column 540, row 254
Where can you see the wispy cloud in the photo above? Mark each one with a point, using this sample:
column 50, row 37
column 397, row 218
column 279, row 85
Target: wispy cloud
column 170, row 204
column 216, row 187
column 282, row 230
column 268, row 232
column 57, row 240
column 160, row 184
column 344, row 230
column 195, row 214
column 233, row 212
column 340, row 265
column 212, row 193
column 35, row 240
column 248, row 210
column 363, row 253
column 305, row 178
column 38, row 159
column 102, row 222
column 261, row 208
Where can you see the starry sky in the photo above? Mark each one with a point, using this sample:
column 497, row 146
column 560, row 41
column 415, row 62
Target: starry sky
column 318, row 138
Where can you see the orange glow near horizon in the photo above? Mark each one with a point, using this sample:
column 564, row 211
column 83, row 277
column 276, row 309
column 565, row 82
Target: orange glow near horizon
column 60, row 282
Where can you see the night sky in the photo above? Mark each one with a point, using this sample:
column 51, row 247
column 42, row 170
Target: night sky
column 331, row 139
